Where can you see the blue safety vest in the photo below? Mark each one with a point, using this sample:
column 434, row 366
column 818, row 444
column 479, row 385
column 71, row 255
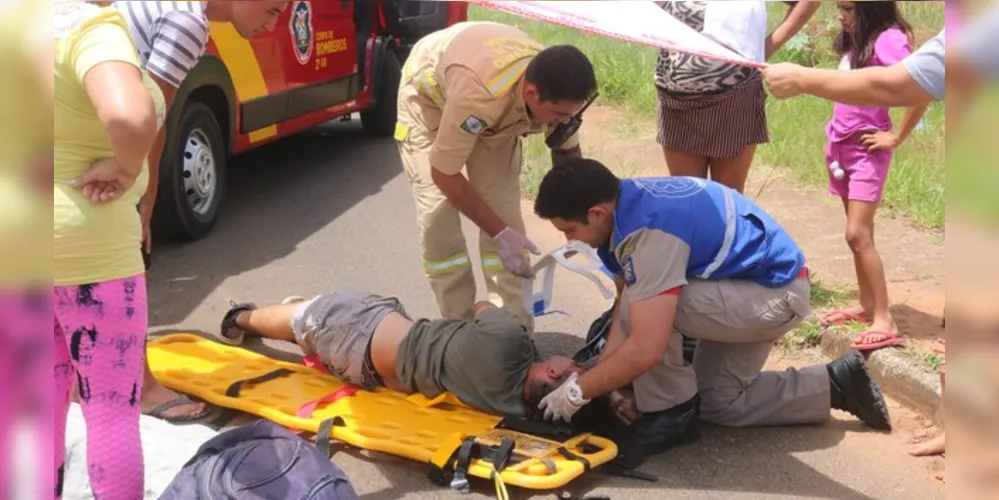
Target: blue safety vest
column 729, row 236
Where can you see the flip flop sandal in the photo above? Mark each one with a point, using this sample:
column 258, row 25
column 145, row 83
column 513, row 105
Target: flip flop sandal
column 183, row 399
column 842, row 316
column 890, row 340
column 940, row 347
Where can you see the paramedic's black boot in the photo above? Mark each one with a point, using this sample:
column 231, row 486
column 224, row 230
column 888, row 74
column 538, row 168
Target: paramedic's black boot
column 669, row 428
column 854, row 391
column 230, row 332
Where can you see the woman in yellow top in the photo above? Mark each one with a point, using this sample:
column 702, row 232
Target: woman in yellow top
column 106, row 112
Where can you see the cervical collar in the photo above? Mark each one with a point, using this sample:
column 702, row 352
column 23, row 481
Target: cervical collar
column 538, row 302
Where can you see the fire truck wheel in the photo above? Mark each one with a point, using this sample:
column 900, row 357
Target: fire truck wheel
column 192, row 192
column 380, row 120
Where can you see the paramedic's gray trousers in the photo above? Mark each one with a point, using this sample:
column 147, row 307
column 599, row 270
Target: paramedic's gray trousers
column 737, row 324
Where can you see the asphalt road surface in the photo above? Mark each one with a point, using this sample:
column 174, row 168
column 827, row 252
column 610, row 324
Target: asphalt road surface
column 332, row 209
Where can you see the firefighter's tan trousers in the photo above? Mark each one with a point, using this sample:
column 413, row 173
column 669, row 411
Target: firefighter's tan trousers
column 493, row 169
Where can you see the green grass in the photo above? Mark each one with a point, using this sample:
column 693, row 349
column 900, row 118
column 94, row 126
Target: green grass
column 624, row 71
column 930, row 361
column 537, row 162
column 809, row 332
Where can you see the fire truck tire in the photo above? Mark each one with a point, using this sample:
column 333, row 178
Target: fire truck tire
column 380, row 120
column 192, row 192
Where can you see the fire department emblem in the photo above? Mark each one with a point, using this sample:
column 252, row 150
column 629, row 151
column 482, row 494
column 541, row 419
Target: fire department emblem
column 301, row 30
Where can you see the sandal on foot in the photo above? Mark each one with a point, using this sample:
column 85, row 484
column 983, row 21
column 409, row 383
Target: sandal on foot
column 230, row 333
column 843, row 316
column 862, row 343
column 940, row 347
column 183, row 399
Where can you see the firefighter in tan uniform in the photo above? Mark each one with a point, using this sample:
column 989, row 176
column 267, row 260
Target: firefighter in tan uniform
column 468, row 95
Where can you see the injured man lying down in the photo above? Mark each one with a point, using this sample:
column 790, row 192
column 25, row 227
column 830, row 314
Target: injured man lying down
column 490, row 363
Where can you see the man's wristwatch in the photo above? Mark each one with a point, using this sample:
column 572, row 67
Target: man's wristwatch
column 575, row 395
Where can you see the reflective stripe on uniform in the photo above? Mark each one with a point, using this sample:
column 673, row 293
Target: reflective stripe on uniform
column 458, row 261
column 729, row 236
column 407, row 69
column 401, row 131
column 430, row 88
column 492, row 262
column 508, row 77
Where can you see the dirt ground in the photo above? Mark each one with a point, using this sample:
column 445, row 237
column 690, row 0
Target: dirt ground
column 913, row 257
column 909, row 425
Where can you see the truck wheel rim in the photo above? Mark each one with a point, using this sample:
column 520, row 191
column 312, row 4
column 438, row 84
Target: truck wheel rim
column 199, row 171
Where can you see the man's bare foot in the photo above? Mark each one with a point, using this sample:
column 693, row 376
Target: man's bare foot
column 162, row 403
column 935, row 446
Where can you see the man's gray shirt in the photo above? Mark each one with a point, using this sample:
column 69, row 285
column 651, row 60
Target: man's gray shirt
column 926, row 66
column 979, row 42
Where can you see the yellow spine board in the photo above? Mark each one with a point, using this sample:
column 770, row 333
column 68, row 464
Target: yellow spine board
column 412, row 427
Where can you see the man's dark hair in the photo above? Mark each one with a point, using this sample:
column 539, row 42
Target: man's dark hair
column 569, row 190
column 537, row 389
column 562, row 73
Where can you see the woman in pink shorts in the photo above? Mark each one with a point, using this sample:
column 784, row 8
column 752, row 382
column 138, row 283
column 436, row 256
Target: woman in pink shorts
column 859, row 155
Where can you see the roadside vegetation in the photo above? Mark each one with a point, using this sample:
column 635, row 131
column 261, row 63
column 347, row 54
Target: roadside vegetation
column 624, row 70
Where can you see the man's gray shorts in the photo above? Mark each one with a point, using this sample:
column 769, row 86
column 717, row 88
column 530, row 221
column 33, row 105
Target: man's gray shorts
column 338, row 327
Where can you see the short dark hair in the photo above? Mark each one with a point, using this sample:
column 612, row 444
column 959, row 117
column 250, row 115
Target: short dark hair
column 562, row 73
column 569, row 190
column 538, row 388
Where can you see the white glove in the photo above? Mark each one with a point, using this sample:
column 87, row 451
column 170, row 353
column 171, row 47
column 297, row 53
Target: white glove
column 512, row 247
column 564, row 402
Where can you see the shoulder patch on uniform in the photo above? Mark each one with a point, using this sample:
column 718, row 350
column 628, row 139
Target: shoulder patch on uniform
column 474, row 125
column 628, row 266
column 628, row 247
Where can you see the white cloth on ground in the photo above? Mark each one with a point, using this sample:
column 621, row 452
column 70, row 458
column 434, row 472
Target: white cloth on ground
column 165, row 448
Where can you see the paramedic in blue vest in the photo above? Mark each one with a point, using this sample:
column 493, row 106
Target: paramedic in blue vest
column 691, row 256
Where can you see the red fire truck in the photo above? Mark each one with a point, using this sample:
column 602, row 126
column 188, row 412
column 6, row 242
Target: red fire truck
column 326, row 59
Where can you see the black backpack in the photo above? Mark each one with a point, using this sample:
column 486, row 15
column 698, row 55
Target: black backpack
column 596, row 338
column 259, row 461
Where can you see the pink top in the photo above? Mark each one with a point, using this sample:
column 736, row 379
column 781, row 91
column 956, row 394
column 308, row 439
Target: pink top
column 891, row 47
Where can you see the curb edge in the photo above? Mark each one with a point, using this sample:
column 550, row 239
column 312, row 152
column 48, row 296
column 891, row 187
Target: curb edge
column 900, row 378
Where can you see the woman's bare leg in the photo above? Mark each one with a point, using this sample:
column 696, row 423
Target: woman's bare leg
column 734, row 171
column 682, row 164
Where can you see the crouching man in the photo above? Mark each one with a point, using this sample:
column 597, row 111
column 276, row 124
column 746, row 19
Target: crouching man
column 693, row 257
column 368, row 340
